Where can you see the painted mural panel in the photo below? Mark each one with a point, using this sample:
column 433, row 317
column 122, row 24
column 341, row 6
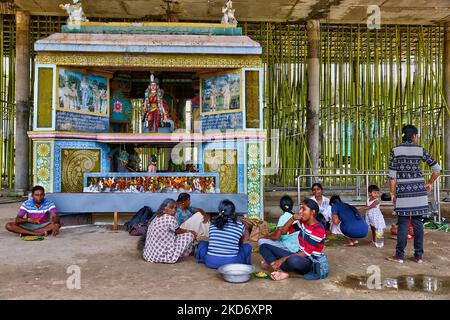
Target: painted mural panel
column 221, row 92
column 83, row 91
column 44, row 97
column 224, row 162
column 43, row 165
column 252, row 102
column 254, row 180
column 61, row 145
column 76, row 162
column 120, row 105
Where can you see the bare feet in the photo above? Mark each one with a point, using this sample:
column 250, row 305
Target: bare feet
column 279, row 275
column 416, row 260
column 349, row 243
column 394, row 259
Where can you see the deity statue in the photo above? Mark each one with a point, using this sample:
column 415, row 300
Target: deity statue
column 75, row 11
column 153, row 162
column 228, row 13
column 151, row 113
column 155, row 111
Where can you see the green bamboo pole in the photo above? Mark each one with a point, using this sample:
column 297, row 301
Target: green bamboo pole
column 2, row 96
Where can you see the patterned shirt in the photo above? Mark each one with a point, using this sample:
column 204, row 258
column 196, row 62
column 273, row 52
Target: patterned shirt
column 44, row 213
column 162, row 244
column 405, row 159
column 311, row 239
column 225, row 242
column 410, row 189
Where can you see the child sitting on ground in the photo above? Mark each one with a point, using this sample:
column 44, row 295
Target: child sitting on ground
column 374, row 217
column 288, row 241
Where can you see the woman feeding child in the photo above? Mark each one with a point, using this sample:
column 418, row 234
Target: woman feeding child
column 311, row 240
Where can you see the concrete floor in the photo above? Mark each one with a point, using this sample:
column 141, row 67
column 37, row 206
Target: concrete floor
column 112, row 268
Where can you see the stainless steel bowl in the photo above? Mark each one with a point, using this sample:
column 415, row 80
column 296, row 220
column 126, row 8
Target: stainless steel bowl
column 236, row 272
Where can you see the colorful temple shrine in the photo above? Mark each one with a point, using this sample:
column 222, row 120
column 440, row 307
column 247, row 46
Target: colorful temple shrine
column 149, row 107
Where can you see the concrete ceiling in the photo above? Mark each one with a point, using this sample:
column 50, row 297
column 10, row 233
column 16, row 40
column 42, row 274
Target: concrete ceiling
column 328, row 11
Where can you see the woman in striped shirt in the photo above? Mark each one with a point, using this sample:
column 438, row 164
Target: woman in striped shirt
column 226, row 237
column 311, row 240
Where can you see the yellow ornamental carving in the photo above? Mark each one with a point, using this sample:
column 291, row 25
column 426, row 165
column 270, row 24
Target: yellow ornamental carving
column 149, row 60
column 43, row 174
column 74, row 164
column 43, row 150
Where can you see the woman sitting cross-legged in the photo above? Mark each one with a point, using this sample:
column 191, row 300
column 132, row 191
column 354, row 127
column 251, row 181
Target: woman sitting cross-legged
column 311, row 240
column 226, row 237
column 166, row 242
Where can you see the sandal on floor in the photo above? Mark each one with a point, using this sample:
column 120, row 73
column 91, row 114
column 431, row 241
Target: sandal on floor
column 394, row 259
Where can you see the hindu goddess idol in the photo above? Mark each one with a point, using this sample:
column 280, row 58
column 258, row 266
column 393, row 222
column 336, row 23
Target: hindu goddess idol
column 155, row 109
column 151, row 113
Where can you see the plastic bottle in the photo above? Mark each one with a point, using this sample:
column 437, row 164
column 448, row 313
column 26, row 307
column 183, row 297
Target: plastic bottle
column 379, row 243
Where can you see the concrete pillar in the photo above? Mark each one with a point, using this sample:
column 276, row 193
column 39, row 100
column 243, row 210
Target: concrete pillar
column 22, row 100
column 447, row 98
column 312, row 117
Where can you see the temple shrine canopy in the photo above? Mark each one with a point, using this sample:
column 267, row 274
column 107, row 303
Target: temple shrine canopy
column 105, row 88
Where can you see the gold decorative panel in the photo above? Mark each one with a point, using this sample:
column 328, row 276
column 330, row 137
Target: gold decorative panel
column 86, row 59
column 225, row 163
column 252, row 98
column 75, row 162
column 44, row 97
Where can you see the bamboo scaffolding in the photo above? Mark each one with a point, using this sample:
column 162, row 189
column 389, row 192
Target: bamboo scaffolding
column 371, row 82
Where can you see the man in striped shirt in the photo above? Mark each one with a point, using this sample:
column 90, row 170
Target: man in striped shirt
column 36, row 217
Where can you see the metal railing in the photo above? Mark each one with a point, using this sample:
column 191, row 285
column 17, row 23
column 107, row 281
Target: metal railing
column 356, row 175
column 436, row 194
column 286, row 178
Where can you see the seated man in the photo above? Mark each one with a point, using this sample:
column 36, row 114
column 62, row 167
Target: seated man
column 36, row 217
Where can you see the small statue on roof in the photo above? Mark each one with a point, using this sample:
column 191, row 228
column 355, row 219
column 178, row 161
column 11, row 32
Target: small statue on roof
column 228, row 13
column 75, row 11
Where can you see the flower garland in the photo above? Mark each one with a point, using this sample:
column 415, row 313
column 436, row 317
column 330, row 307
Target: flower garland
column 152, row 184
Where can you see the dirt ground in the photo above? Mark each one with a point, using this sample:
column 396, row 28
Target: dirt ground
column 112, row 268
